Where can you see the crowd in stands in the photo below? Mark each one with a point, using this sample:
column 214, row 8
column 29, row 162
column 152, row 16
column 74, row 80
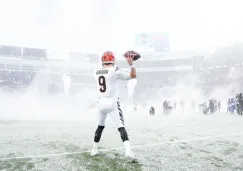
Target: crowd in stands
column 15, row 79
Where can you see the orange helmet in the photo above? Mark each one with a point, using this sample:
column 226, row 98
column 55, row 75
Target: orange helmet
column 108, row 57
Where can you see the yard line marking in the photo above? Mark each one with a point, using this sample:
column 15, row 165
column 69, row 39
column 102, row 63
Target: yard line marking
column 119, row 148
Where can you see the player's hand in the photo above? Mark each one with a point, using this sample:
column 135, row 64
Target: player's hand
column 129, row 57
column 132, row 54
column 129, row 60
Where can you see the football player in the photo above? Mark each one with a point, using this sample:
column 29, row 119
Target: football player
column 108, row 102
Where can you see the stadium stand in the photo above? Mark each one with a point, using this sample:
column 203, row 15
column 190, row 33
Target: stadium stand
column 20, row 65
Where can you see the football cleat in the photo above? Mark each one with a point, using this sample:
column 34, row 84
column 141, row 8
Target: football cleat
column 94, row 150
column 128, row 150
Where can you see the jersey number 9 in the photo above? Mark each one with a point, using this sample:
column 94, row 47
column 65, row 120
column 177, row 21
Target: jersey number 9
column 102, row 84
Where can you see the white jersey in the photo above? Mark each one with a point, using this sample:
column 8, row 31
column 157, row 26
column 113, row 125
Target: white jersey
column 107, row 80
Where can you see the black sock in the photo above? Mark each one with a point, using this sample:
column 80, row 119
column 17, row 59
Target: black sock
column 123, row 134
column 98, row 133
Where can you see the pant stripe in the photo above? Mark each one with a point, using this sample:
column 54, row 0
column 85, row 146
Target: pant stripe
column 120, row 113
column 122, row 120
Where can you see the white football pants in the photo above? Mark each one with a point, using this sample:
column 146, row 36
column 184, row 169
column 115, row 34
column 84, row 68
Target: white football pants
column 110, row 106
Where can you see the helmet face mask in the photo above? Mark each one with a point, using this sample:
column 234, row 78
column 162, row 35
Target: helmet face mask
column 107, row 64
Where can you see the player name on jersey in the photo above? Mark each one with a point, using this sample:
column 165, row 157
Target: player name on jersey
column 101, row 72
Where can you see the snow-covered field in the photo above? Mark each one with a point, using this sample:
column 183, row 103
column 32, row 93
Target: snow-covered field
column 180, row 142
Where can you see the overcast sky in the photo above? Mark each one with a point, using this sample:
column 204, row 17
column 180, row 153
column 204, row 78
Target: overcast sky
column 97, row 25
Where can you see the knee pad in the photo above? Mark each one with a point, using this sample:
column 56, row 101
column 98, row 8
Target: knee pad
column 123, row 134
column 98, row 133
